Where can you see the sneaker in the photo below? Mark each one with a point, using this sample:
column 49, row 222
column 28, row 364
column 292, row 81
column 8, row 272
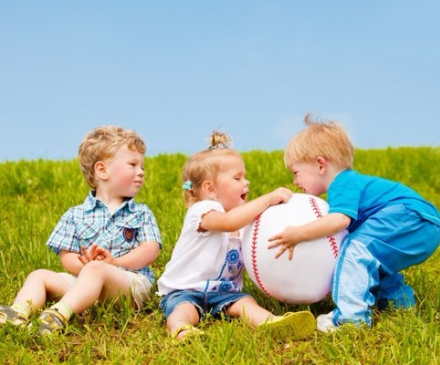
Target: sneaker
column 293, row 325
column 325, row 323
column 51, row 320
column 9, row 315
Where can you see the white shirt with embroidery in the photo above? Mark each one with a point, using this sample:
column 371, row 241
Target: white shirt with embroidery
column 203, row 261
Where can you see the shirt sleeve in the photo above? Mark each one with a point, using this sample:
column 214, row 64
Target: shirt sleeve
column 344, row 196
column 198, row 210
column 149, row 231
column 63, row 236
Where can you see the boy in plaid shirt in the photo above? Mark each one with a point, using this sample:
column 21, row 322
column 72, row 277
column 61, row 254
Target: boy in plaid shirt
column 106, row 244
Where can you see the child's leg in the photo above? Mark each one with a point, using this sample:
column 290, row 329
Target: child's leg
column 97, row 281
column 183, row 310
column 392, row 289
column 293, row 326
column 353, row 297
column 39, row 286
column 249, row 311
column 391, row 240
column 180, row 321
column 411, row 243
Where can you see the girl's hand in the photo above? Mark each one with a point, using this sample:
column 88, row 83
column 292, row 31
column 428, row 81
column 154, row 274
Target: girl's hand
column 280, row 195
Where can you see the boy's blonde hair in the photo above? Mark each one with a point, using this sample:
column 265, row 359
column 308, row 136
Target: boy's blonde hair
column 205, row 165
column 328, row 140
column 101, row 144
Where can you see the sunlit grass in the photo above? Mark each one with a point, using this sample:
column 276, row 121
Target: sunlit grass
column 34, row 195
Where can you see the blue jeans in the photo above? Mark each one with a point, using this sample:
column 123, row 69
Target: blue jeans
column 210, row 302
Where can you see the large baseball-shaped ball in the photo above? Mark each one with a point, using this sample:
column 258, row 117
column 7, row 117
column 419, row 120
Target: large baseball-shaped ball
column 307, row 277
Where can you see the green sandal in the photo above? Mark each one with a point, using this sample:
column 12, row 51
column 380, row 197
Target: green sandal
column 192, row 332
column 293, row 326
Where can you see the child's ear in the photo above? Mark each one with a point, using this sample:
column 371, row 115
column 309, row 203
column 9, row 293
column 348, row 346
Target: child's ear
column 208, row 189
column 101, row 170
column 322, row 164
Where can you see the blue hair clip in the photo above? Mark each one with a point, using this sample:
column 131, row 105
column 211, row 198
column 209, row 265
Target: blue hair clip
column 187, row 185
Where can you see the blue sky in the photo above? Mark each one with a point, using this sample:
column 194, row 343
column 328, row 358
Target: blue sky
column 176, row 70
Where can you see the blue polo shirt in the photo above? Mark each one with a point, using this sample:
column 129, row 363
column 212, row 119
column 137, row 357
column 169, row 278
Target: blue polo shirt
column 360, row 196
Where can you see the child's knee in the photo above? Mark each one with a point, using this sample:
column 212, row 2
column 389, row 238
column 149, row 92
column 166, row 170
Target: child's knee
column 184, row 311
column 95, row 268
column 39, row 274
column 237, row 308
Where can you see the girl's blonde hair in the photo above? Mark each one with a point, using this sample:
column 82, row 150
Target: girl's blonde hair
column 327, row 139
column 101, row 144
column 205, row 165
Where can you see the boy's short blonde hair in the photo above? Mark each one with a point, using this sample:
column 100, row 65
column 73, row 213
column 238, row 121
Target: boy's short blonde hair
column 101, row 144
column 328, row 140
column 206, row 164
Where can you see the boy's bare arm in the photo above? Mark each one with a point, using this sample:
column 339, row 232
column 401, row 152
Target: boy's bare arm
column 326, row 226
column 70, row 261
column 139, row 257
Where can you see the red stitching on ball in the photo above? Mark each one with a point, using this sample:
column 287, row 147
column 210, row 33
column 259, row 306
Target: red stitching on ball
column 254, row 254
column 331, row 239
column 315, row 207
column 334, row 246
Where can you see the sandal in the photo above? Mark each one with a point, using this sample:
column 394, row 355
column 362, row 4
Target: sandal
column 50, row 321
column 292, row 325
column 9, row 315
column 191, row 332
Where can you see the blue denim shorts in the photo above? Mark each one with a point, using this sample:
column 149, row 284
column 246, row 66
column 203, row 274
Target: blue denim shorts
column 210, row 302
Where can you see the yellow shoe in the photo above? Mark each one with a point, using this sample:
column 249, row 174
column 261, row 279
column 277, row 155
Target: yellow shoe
column 293, row 325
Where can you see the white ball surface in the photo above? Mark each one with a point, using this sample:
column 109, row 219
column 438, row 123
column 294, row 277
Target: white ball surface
column 307, row 277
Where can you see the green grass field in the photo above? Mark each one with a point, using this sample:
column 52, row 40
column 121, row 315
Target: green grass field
column 34, row 195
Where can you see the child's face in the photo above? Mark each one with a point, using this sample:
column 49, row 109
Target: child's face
column 126, row 172
column 308, row 177
column 231, row 187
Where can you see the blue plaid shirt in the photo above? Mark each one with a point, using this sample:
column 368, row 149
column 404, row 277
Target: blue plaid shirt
column 92, row 222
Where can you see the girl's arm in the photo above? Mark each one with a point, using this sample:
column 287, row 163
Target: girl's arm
column 242, row 215
column 326, row 226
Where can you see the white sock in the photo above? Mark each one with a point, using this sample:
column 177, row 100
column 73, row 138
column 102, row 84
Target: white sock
column 22, row 308
column 63, row 309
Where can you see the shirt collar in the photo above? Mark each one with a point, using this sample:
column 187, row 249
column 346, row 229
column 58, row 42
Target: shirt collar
column 91, row 202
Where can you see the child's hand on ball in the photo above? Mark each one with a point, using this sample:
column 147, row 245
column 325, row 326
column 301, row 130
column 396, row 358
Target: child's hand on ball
column 280, row 195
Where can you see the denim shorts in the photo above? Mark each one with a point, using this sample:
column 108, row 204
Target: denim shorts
column 210, row 302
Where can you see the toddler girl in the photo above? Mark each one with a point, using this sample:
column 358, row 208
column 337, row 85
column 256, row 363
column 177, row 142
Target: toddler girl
column 205, row 273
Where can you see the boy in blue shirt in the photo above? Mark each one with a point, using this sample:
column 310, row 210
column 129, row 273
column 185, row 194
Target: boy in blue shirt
column 105, row 244
column 390, row 226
